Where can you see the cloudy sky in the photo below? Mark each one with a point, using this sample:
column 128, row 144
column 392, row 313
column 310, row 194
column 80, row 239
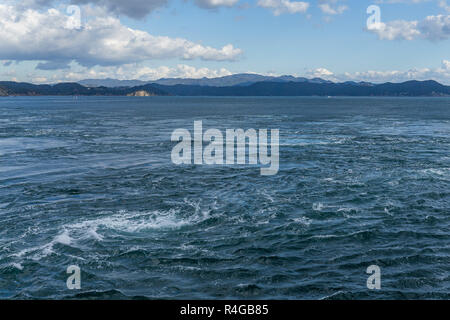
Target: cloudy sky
column 47, row 41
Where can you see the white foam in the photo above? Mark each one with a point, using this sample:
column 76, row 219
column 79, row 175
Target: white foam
column 45, row 250
column 303, row 220
column 122, row 221
column 63, row 238
column 324, row 236
column 18, row 266
column 130, row 222
column 14, row 265
column 443, row 172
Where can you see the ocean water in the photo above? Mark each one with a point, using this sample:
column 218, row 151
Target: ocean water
column 90, row 182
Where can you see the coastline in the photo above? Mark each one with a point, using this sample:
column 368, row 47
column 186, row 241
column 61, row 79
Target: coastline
column 413, row 88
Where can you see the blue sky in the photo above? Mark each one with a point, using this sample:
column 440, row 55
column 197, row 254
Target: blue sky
column 41, row 41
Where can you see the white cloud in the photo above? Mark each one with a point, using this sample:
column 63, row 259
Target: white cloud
column 332, row 7
column 131, row 71
column 400, row 29
column 145, row 73
column 431, row 28
column 446, row 65
column 284, row 6
column 443, row 4
column 320, row 73
column 441, row 74
column 102, row 40
column 136, row 9
column 132, row 8
column 435, row 27
column 328, row 9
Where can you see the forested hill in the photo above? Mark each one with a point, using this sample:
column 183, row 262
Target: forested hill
column 410, row 88
column 71, row 89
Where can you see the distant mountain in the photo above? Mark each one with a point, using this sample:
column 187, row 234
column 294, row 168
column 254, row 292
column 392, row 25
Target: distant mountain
column 240, row 79
column 362, row 83
column 409, row 88
column 111, row 83
column 262, row 88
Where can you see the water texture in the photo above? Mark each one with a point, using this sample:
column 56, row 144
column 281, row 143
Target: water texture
column 90, row 182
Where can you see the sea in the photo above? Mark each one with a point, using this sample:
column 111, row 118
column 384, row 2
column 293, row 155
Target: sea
column 89, row 182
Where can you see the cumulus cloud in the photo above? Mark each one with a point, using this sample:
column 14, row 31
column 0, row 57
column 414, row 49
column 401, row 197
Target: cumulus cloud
column 136, row 9
column 446, row 65
column 284, row 6
column 320, row 73
column 332, row 7
column 130, row 71
column 400, row 29
column 131, row 8
column 435, row 27
column 102, row 40
column 441, row 74
column 432, row 28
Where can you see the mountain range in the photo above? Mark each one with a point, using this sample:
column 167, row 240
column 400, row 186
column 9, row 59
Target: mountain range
column 241, row 79
column 236, row 85
column 409, row 88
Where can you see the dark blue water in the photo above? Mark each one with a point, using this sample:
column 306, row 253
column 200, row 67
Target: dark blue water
column 89, row 182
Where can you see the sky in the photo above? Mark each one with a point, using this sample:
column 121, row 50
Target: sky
column 47, row 41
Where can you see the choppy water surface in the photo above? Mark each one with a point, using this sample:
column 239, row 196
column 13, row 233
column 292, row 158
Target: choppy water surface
column 89, row 182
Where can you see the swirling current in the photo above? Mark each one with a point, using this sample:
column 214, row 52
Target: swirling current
column 90, row 182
